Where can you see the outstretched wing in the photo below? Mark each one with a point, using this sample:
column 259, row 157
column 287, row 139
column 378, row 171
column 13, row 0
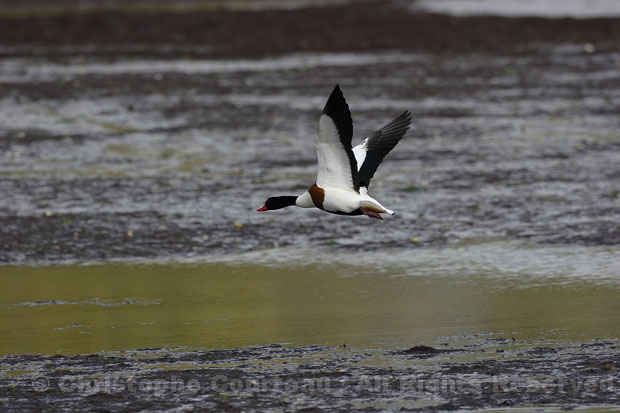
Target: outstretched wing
column 372, row 150
column 337, row 164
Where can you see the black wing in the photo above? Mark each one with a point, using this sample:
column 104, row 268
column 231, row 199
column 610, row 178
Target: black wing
column 380, row 143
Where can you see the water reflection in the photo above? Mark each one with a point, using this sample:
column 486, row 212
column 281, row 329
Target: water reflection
column 84, row 309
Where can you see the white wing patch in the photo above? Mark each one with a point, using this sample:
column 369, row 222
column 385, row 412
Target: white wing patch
column 334, row 165
column 360, row 153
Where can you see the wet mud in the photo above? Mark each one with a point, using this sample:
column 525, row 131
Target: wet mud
column 161, row 142
column 505, row 375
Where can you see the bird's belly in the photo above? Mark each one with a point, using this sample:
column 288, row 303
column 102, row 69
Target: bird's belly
column 341, row 200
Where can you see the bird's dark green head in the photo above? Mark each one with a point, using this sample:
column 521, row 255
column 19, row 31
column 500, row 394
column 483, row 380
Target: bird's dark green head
column 278, row 202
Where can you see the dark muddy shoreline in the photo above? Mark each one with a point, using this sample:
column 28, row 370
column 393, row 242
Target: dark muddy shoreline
column 310, row 378
column 354, row 27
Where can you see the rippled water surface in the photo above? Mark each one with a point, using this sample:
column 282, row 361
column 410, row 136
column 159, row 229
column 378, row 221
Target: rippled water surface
column 371, row 301
column 179, row 153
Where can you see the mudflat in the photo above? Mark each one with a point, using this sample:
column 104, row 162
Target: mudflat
column 152, row 135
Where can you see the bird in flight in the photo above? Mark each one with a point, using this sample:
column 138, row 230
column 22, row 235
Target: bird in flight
column 341, row 185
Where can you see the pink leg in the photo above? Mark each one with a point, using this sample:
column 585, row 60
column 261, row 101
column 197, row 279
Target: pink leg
column 371, row 214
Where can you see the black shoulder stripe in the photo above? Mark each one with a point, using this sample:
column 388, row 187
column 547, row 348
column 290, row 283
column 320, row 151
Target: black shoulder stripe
column 338, row 110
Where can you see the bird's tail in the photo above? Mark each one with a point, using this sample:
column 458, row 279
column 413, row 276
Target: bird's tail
column 372, row 205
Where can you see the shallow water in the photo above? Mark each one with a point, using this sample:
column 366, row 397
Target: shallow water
column 378, row 301
column 540, row 8
column 180, row 152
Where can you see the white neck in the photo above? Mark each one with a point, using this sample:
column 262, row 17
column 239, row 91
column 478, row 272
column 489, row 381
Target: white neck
column 304, row 200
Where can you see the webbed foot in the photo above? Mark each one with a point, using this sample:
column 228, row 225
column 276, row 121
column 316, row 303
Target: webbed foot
column 371, row 214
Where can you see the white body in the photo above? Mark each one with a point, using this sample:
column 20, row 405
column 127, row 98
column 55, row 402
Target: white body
column 341, row 200
column 334, row 175
column 344, row 173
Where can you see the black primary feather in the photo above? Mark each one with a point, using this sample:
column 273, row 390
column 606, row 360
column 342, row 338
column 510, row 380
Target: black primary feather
column 338, row 110
column 380, row 143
